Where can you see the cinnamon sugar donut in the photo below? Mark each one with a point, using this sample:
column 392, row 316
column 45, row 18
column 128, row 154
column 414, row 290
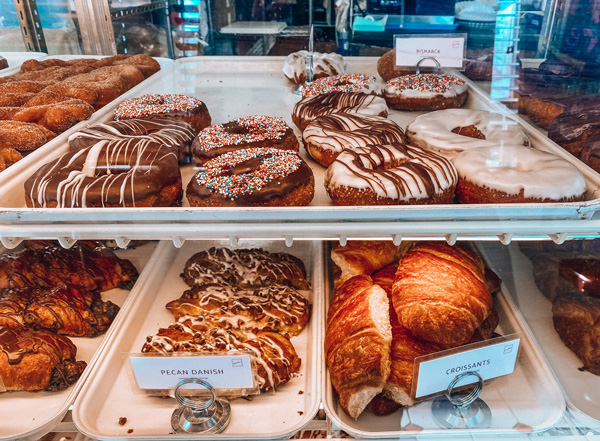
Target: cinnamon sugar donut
column 108, row 174
column 393, row 174
column 425, row 92
column 174, row 106
column 451, row 131
column 253, row 177
column 174, row 134
column 324, row 65
column 241, row 133
column 516, row 174
column 23, row 136
column 326, row 136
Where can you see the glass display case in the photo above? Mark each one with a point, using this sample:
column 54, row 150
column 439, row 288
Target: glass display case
column 362, row 314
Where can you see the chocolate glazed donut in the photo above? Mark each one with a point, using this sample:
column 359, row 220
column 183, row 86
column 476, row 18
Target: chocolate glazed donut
column 125, row 173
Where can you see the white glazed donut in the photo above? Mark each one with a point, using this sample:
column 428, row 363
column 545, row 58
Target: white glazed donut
column 390, row 175
column 438, row 131
column 324, row 65
column 326, row 136
column 516, row 174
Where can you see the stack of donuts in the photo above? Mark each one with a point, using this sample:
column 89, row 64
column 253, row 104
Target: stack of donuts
column 47, row 97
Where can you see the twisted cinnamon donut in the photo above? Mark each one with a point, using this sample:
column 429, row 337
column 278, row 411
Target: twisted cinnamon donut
column 390, row 175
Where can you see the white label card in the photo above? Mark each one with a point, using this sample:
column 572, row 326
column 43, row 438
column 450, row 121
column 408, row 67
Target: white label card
column 222, row 371
column 489, row 361
column 448, row 50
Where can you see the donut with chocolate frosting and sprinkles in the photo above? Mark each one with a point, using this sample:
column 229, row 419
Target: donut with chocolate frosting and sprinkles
column 183, row 107
column 253, row 177
column 425, row 92
column 242, row 133
column 358, row 83
column 394, row 174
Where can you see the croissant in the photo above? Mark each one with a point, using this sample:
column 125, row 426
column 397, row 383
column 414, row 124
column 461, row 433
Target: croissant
column 244, row 268
column 577, row 321
column 277, row 360
column 62, row 309
column 37, row 360
column 357, row 343
column 277, row 308
column 365, row 257
column 80, row 266
column 440, row 293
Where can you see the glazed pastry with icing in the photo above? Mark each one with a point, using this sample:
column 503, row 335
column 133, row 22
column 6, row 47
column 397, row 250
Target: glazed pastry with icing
column 516, row 174
column 307, row 109
column 451, row 131
column 258, row 131
column 253, row 177
column 327, row 136
column 108, row 174
column 275, row 308
column 425, row 92
column 174, row 106
column 244, row 268
column 172, row 133
column 390, row 175
column 324, row 65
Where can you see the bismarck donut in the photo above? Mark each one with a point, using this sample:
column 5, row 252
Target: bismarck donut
column 324, row 65
column 253, row 177
column 108, row 174
column 183, row 107
column 393, row 174
column 357, row 83
column 451, row 131
column 326, row 136
column 174, row 134
column 241, row 133
column 516, row 174
column 425, row 92
column 310, row 108
column 387, row 68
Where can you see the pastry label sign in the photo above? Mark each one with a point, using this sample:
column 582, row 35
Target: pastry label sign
column 490, row 359
column 447, row 49
column 221, row 371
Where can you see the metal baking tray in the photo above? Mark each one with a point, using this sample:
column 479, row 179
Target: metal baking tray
column 527, row 401
column 579, row 386
column 108, row 395
column 30, row 415
column 262, row 89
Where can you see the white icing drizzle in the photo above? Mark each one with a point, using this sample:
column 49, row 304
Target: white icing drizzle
column 275, row 308
column 266, row 347
column 513, row 168
column 338, row 131
column 392, row 171
column 294, row 65
column 433, row 130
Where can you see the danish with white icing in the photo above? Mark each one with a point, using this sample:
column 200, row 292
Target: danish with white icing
column 326, row 136
column 516, row 174
column 425, row 92
column 390, row 175
column 451, row 131
column 324, row 65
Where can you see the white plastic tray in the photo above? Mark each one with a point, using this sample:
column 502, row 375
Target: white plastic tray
column 30, row 415
column 108, row 395
column 526, row 401
column 262, row 89
column 580, row 388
